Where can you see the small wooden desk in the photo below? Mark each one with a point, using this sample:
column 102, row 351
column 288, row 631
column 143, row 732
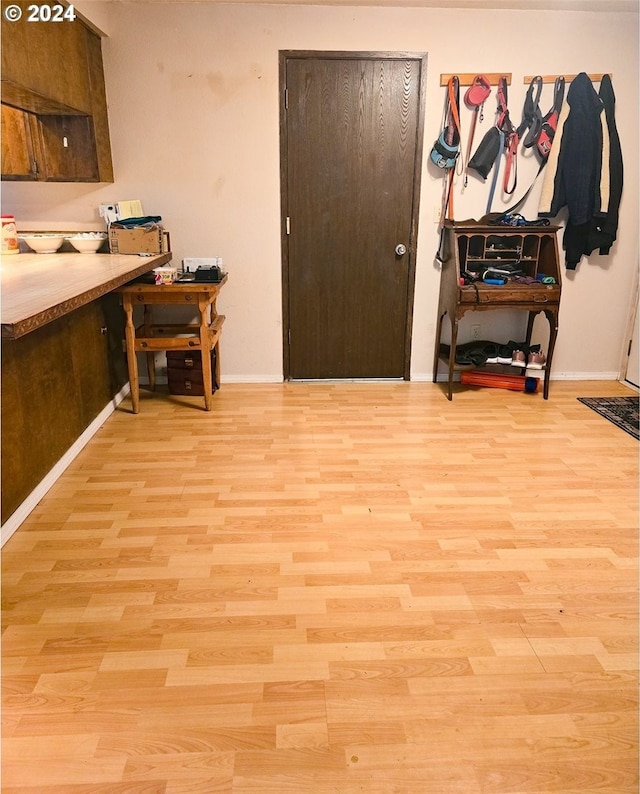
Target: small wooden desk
column 151, row 337
column 470, row 245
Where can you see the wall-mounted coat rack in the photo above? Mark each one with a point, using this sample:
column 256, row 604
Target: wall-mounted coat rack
column 551, row 78
column 467, row 79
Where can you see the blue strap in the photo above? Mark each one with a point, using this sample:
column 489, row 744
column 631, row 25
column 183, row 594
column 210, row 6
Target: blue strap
column 496, row 169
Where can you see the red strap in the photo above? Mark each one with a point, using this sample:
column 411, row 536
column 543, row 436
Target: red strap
column 511, row 146
column 511, row 139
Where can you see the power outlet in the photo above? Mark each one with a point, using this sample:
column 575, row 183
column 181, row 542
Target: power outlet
column 475, row 332
column 109, row 212
column 437, row 213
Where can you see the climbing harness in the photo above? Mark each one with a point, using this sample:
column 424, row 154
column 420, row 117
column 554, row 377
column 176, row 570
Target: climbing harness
column 550, row 120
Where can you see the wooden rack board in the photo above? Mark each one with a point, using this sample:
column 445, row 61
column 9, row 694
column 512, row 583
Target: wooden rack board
column 551, row 78
column 468, row 78
column 493, row 77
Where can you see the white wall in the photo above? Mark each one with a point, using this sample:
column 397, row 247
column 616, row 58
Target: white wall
column 194, row 117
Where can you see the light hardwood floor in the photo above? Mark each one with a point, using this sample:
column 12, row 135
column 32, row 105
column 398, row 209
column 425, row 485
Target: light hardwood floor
column 331, row 588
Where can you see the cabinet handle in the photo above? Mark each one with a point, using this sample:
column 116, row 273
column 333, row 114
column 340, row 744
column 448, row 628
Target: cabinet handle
column 541, row 298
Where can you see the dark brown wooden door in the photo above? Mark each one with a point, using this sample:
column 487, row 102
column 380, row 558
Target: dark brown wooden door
column 351, row 153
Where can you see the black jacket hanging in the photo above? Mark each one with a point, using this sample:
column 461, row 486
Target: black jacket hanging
column 603, row 231
column 575, row 182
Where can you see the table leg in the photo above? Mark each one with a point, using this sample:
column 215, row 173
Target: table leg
column 132, row 362
column 150, row 356
column 151, row 369
column 216, row 373
column 205, row 352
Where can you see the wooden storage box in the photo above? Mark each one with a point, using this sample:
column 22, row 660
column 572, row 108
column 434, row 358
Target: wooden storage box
column 184, row 372
column 138, row 241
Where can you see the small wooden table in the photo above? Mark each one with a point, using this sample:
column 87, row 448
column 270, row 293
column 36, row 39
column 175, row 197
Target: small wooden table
column 151, row 337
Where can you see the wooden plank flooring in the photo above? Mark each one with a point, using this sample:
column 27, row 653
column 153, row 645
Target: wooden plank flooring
column 331, row 588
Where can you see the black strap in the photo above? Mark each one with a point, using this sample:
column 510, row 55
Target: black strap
column 522, row 200
column 531, row 114
column 558, row 98
column 505, row 125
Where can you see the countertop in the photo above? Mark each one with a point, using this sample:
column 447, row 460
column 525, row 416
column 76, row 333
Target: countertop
column 39, row 288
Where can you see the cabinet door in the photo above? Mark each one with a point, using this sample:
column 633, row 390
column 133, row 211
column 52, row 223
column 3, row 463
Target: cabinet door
column 48, row 148
column 19, row 159
column 69, row 149
column 47, row 58
column 88, row 342
column 55, row 381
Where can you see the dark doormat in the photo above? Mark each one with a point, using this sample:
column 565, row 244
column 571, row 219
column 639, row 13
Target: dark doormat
column 622, row 411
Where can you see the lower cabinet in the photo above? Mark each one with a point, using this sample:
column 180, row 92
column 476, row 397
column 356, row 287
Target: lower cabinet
column 55, row 381
column 184, row 372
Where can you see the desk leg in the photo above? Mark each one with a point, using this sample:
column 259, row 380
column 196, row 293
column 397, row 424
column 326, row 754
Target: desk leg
column 452, row 355
column 436, row 351
column 552, row 317
column 132, row 362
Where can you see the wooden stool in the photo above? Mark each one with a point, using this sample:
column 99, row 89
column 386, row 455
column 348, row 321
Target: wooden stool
column 151, row 338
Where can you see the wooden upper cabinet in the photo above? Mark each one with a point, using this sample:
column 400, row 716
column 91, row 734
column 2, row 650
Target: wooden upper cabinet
column 48, row 59
column 52, row 74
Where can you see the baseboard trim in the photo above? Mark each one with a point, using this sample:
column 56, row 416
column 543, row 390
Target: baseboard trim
column 251, row 379
column 161, row 380
column 29, row 504
column 421, row 377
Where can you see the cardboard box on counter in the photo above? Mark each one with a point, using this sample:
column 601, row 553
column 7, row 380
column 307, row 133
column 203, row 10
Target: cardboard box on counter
column 139, row 241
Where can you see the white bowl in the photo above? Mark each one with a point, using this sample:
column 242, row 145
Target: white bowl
column 43, row 243
column 87, row 243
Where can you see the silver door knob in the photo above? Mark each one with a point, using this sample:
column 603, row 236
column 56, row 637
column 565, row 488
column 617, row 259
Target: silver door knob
column 401, row 249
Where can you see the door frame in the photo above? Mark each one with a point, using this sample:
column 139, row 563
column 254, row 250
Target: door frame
column 283, row 57
column 630, row 344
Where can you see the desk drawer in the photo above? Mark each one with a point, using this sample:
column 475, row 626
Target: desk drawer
column 510, row 293
column 184, row 372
